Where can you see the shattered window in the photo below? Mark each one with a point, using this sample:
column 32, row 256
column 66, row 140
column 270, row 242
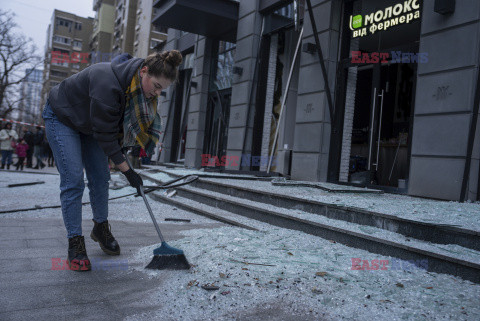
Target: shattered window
column 224, row 66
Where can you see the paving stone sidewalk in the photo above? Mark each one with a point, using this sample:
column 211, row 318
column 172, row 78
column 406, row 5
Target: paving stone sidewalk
column 30, row 289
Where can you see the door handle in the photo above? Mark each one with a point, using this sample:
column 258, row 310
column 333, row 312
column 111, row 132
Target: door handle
column 371, row 128
column 379, row 127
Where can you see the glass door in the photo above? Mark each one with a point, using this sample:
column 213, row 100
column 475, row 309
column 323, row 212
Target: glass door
column 375, row 91
column 216, row 135
column 391, row 124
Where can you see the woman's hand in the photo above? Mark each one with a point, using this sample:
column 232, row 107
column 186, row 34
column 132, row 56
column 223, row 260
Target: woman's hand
column 123, row 167
column 134, row 179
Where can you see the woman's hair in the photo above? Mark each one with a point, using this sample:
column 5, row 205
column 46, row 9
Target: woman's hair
column 164, row 64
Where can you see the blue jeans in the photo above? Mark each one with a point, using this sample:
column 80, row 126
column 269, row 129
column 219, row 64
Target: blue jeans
column 74, row 151
column 37, row 152
column 7, row 157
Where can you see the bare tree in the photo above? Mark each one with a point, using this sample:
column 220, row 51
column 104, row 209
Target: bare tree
column 17, row 53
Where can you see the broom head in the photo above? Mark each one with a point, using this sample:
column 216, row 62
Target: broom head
column 168, row 258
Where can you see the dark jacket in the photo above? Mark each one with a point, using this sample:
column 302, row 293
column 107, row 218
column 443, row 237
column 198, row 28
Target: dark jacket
column 39, row 137
column 93, row 101
column 28, row 136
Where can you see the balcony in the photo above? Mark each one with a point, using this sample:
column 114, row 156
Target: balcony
column 199, row 17
column 96, row 4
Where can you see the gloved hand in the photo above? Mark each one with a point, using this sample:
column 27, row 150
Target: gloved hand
column 134, row 179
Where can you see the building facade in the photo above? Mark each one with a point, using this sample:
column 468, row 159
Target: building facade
column 124, row 26
column 388, row 100
column 31, row 90
column 67, row 48
column 103, row 29
column 149, row 38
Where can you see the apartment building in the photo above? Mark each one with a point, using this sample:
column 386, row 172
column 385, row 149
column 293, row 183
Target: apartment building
column 31, row 89
column 67, row 48
column 103, row 29
column 148, row 37
column 124, row 26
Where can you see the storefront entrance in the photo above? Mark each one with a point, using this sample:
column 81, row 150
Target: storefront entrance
column 218, row 106
column 381, row 124
column 217, row 124
column 376, row 84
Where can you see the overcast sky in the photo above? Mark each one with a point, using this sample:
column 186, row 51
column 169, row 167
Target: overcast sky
column 33, row 16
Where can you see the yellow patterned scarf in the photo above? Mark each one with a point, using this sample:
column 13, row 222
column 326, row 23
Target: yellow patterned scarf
column 141, row 123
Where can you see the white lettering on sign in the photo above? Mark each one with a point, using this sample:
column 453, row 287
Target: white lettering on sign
column 404, row 12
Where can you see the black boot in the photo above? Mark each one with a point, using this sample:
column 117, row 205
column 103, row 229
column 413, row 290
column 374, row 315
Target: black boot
column 3, row 166
column 8, row 166
column 77, row 255
column 102, row 234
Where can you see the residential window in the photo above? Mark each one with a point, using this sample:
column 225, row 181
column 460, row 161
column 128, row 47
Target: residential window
column 57, row 73
column 62, row 40
column 77, row 44
column 64, row 22
column 60, row 57
column 78, row 26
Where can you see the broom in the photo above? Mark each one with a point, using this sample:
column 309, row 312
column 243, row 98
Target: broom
column 165, row 257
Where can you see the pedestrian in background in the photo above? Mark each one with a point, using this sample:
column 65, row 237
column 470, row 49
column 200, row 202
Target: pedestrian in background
column 38, row 147
column 28, row 136
column 21, row 151
column 7, row 142
column 48, row 152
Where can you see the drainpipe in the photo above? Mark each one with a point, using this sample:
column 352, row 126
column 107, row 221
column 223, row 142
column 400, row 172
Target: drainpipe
column 322, row 62
column 471, row 140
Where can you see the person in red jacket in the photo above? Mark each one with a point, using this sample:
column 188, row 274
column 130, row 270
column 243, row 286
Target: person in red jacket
column 21, row 151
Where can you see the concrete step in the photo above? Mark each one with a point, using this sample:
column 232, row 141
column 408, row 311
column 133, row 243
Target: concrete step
column 204, row 210
column 450, row 259
column 431, row 232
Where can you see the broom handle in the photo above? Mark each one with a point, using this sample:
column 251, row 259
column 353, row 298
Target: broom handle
column 146, row 203
column 151, row 214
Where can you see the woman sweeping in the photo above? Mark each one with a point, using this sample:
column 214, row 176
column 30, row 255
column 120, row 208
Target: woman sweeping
column 89, row 117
